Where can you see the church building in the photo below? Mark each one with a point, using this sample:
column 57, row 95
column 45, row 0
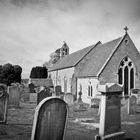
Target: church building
column 116, row 61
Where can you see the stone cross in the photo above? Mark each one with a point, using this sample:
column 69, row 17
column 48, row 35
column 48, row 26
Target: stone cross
column 126, row 29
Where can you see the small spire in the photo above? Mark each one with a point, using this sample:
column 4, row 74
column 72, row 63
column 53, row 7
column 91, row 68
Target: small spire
column 126, row 29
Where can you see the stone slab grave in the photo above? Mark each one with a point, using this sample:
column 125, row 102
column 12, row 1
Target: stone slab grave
column 3, row 103
column 44, row 93
column 50, row 119
column 110, row 117
column 14, row 96
column 68, row 98
column 132, row 105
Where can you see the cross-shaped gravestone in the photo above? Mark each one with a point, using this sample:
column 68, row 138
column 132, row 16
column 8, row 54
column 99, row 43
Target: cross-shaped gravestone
column 50, row 119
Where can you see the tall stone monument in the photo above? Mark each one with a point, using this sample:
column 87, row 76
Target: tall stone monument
column 110, row 117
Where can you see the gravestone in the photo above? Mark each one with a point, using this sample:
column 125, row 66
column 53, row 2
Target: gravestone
column 132, row 105
column 50, row 120
column 95, row 102
column 3, row 103
column 31, row 88
column 43, row 94
column 33, row 98
column 110, row 117
column 14, row 96
column 68, row 98
column 58, row 90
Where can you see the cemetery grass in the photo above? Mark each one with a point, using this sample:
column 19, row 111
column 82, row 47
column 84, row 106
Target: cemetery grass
column 19, row 124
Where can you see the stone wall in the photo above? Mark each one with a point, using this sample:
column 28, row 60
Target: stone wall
column 63, row 78
column 110, row 72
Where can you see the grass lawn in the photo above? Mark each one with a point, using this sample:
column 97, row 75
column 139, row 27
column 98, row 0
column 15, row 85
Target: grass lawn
column 20, row 120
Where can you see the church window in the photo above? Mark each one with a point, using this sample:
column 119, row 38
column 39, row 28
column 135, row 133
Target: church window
column 90, row 90
column 126, row 59
column 120, row 75
column 131, row 78
column 126, row 75
column 130, row 64
column 126, row 42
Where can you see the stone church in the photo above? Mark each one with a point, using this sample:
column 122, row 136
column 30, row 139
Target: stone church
column 116, row 61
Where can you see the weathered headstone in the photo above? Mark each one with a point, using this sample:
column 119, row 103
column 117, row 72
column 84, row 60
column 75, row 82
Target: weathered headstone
column 14, row 96
column 50, row 120
column 58, row 90
column 33, row 98
column 68, row 98
column 110, row 117
column 3, row 103
column 95, row 102
column 43, row 94
column 132, row 105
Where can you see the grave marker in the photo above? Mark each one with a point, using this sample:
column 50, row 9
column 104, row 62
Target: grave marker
column 68, row 98
column 58, row 90
column 110, row 117
column 33, row 98
column 50, row 120
column 14, row 96
column 3, row 103
column 43, row 94
column 132, row 105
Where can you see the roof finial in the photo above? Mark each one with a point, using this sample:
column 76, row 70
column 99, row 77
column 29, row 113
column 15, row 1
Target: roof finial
column 126, row 29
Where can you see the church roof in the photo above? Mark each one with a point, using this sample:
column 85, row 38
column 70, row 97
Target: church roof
column 72, row 59
column 99, row 57
column 100, row 54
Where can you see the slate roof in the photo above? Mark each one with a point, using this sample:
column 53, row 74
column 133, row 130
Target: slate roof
column 99, row 53
column 72, row 59
column 99, row 57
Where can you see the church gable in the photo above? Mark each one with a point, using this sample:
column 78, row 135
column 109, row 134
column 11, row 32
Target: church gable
column 127, row 50
column 95, row 60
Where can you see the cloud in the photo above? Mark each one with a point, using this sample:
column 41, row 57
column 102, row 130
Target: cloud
column 32, row 29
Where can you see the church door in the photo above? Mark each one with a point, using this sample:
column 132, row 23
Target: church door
column 126, row 75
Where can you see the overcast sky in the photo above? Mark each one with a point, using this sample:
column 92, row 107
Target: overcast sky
column 32, row 29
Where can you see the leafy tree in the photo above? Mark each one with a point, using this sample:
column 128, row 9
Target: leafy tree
column 39, row 72
column 10, row 74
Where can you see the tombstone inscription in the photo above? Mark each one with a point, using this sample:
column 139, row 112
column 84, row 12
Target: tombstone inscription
column 50, row 120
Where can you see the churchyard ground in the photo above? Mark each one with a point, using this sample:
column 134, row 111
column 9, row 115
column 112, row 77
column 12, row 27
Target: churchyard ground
column 20, row 121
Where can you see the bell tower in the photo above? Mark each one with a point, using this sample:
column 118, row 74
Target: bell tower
column 64, row 50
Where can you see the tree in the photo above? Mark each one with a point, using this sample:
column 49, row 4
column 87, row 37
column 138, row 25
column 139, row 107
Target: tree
column 39, row 72
column 10, row 74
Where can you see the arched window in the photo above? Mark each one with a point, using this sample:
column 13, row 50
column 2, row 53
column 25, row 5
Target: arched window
column 90, row 90
column 126, row 80
column 120, row 75
column 126, row 75
column 131, row 78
